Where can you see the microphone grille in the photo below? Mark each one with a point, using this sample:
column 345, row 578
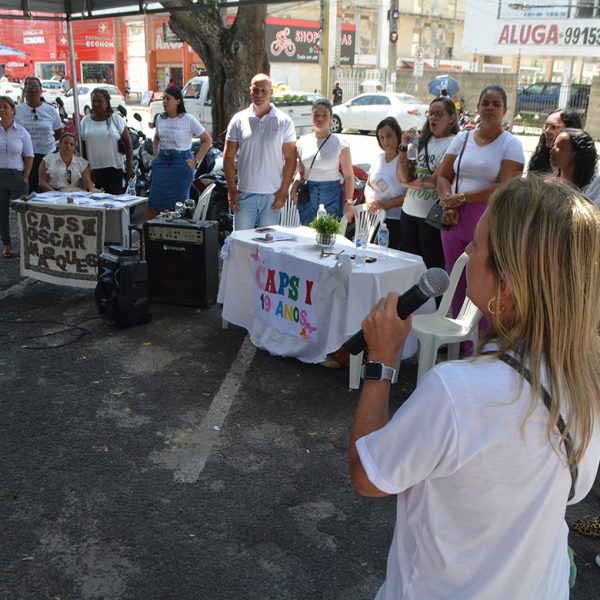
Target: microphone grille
column 434, row 282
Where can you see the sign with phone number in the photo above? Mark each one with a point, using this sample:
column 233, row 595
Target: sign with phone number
column 531, row 36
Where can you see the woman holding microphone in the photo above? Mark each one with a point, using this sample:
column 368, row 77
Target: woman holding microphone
column 173, row 169
column 487, row 452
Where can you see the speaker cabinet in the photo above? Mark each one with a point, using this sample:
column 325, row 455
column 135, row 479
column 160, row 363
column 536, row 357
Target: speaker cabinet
column 182, row 261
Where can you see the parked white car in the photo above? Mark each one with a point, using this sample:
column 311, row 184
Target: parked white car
column 85, row 97
column 365, row 111
column 13, row 90
column 51, row 90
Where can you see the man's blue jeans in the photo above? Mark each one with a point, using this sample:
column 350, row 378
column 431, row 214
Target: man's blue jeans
column 255, row 211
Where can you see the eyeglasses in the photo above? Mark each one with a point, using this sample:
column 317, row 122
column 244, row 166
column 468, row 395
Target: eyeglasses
column 69, row 178
column 436, row 113
column 34, row 113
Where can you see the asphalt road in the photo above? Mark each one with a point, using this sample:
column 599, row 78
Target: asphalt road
column 174, row 460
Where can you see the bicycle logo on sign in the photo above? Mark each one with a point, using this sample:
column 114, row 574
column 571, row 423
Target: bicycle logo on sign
column 282, row 43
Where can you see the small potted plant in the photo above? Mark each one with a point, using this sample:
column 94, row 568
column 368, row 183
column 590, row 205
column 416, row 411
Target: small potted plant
column 326, row 227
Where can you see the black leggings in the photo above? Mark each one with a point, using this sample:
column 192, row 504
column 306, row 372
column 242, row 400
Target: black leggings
column 420, row 238
column 109, row 179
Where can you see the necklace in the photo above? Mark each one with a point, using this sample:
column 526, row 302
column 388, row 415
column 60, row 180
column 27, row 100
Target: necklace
column 484, row 141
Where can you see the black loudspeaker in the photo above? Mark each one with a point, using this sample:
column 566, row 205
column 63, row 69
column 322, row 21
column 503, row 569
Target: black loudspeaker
column 122, row 288
column 182, row 260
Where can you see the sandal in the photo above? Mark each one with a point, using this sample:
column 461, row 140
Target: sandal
column 587, row 526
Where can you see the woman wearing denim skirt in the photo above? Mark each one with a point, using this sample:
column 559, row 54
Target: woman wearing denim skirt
column 321, row 154
column 174, row 166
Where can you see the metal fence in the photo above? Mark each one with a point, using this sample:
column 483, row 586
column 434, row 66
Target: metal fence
column 356, row 80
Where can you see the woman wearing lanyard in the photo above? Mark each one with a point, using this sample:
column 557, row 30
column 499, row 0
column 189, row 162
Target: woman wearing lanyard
column 101, row 132
column 16, row 158
column 43, row 124
column 173, row 169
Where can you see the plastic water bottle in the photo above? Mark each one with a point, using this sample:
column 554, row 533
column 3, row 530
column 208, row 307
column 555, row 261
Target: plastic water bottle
column 383, row 239
column 413, row 147
column 131, row 187
column 321, row 212
column 360, row 253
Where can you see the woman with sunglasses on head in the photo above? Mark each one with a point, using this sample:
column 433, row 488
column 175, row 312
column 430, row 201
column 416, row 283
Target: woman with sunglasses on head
column 174, row 167
column 556, row 121
column 101, row 132
column 16, row 158
column 65, row 170
column 420, row 177
column 43, row 123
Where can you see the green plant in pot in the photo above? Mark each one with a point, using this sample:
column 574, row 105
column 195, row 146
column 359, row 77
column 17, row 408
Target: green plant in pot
column 326, row 227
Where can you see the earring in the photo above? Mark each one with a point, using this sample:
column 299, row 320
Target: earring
column 489, row 307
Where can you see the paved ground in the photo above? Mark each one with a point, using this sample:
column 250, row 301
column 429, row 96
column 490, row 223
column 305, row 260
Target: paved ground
column 174, row 460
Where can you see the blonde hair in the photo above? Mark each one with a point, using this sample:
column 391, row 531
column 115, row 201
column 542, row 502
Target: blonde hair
column 545, row 243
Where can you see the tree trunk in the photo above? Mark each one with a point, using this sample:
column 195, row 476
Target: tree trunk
column 232, row 55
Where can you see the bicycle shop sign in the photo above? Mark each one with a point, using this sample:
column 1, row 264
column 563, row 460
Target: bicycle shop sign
column 291, row 40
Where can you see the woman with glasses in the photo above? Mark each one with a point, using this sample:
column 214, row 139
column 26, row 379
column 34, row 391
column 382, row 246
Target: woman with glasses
column 16, row 158
column 418, row 237
column 65, row 170
column 556, row 121
column 43, row 124
column 101, row 132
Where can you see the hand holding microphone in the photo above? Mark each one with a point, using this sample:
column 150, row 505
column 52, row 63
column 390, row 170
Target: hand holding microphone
column 433, row 282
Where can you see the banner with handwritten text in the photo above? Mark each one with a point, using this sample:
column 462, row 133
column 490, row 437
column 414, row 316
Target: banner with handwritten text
column 61, row 244
column 285, row 292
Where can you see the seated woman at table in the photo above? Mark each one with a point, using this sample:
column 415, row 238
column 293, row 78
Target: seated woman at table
column 64, row 170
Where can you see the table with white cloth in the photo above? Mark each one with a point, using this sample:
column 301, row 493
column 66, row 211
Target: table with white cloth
column 63, row 233
column 295, row 303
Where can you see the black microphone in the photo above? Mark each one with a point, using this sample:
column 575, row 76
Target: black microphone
column 434, row 282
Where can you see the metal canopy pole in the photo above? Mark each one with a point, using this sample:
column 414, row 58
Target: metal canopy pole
column 74, row 86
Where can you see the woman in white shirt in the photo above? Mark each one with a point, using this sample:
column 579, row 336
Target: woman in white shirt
column 101, row 132
column 321, row 154
column 482, row 158
column 384, row 190
column 43, row 124
column 64, row 170
column 418, row 237
column 174, row 167
column 486, row 454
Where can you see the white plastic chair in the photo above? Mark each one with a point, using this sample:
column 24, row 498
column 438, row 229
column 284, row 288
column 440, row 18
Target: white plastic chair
column 437, row 329
column 202, row 204
column 368, row 221
column 289, row 216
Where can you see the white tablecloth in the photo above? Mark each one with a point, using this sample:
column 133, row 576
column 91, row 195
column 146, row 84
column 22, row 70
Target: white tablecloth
column 338, row 318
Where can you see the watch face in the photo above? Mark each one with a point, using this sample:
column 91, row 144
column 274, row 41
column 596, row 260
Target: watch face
column 372, row 370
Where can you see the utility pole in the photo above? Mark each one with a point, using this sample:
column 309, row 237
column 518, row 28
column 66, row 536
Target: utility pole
column 393, row 16
column 325, row 48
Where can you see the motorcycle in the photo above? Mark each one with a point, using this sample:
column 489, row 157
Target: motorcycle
column 468, row 121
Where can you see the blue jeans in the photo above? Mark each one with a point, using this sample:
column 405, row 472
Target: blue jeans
column 329, row 193
column 255, row 211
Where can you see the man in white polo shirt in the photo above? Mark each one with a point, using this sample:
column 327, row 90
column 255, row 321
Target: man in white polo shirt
column 266, row 139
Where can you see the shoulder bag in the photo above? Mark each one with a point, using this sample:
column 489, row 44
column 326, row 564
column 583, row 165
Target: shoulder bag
column 302, row 189
column 434, row 217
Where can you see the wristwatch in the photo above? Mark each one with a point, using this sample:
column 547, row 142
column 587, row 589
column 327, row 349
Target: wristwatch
column 461, row 198
column 403, row 148
column 376, row 371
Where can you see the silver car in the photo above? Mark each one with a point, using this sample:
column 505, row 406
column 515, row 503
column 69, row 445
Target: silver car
column 364, row 112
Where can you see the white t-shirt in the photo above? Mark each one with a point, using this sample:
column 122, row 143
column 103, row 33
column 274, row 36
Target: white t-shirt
column 480, row 506
column 419, row 202
column 101, row 138
column 260, row 159
column 326, row 166
column 41, row 129
column 386, row 184
column 57, row 170
column 176, row 133
column 480, row 165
